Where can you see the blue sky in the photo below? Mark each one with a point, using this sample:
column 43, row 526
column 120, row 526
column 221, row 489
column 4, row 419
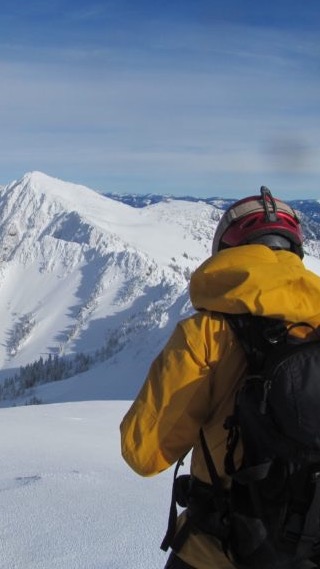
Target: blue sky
column 194, row 97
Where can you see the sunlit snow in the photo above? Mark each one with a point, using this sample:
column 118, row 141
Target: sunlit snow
column 76, row 267
column 67, row 499
column 80, row 271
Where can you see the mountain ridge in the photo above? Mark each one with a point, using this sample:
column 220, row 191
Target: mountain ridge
column 82, row 273
column 83, row 276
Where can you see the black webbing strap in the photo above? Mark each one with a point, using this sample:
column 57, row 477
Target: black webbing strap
column 175, row 539
column 219, row 494
column 215, row 479
column 169, row 538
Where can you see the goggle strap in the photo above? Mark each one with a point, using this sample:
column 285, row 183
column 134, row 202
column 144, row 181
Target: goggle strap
column 255, row 206
column 244, row 209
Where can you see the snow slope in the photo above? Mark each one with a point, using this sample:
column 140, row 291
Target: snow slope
column 119, row 378
column 67, row 499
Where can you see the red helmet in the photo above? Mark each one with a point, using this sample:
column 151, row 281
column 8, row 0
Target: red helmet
column 259, row 219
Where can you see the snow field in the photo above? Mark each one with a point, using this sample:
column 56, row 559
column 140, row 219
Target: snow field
column 68, row 500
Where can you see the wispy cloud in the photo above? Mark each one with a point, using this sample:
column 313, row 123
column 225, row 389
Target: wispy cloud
column 183, row 106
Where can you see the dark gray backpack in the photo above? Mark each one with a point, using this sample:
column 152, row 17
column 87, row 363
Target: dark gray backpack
column 270, row 517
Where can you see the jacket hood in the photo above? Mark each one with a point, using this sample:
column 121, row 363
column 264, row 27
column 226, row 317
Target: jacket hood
column 256, row 279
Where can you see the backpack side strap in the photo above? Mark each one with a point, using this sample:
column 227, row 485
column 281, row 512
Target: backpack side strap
column 214, row 477
column 170, row 538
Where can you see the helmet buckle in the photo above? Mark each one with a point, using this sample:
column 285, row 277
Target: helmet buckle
column 268, row 200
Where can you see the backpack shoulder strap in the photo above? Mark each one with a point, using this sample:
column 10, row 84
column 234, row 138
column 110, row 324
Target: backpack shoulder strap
column 257, row 335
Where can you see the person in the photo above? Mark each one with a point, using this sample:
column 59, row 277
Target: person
column 256, row 267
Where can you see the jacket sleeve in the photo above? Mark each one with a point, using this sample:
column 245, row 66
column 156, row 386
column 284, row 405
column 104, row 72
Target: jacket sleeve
column 164, row 421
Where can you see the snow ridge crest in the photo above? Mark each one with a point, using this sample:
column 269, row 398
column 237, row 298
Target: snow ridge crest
column 81, row 272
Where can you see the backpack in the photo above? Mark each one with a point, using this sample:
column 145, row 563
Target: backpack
column 270, row 516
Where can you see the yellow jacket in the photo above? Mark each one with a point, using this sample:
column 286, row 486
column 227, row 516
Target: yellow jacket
column 192, row 383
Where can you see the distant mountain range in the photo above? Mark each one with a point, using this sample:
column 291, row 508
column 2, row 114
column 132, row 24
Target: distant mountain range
column 97, row 280
column 144, row 200
column 309, row 209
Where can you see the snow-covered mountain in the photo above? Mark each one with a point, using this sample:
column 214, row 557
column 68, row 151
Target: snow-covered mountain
column 81, row 273
column 86, row 280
